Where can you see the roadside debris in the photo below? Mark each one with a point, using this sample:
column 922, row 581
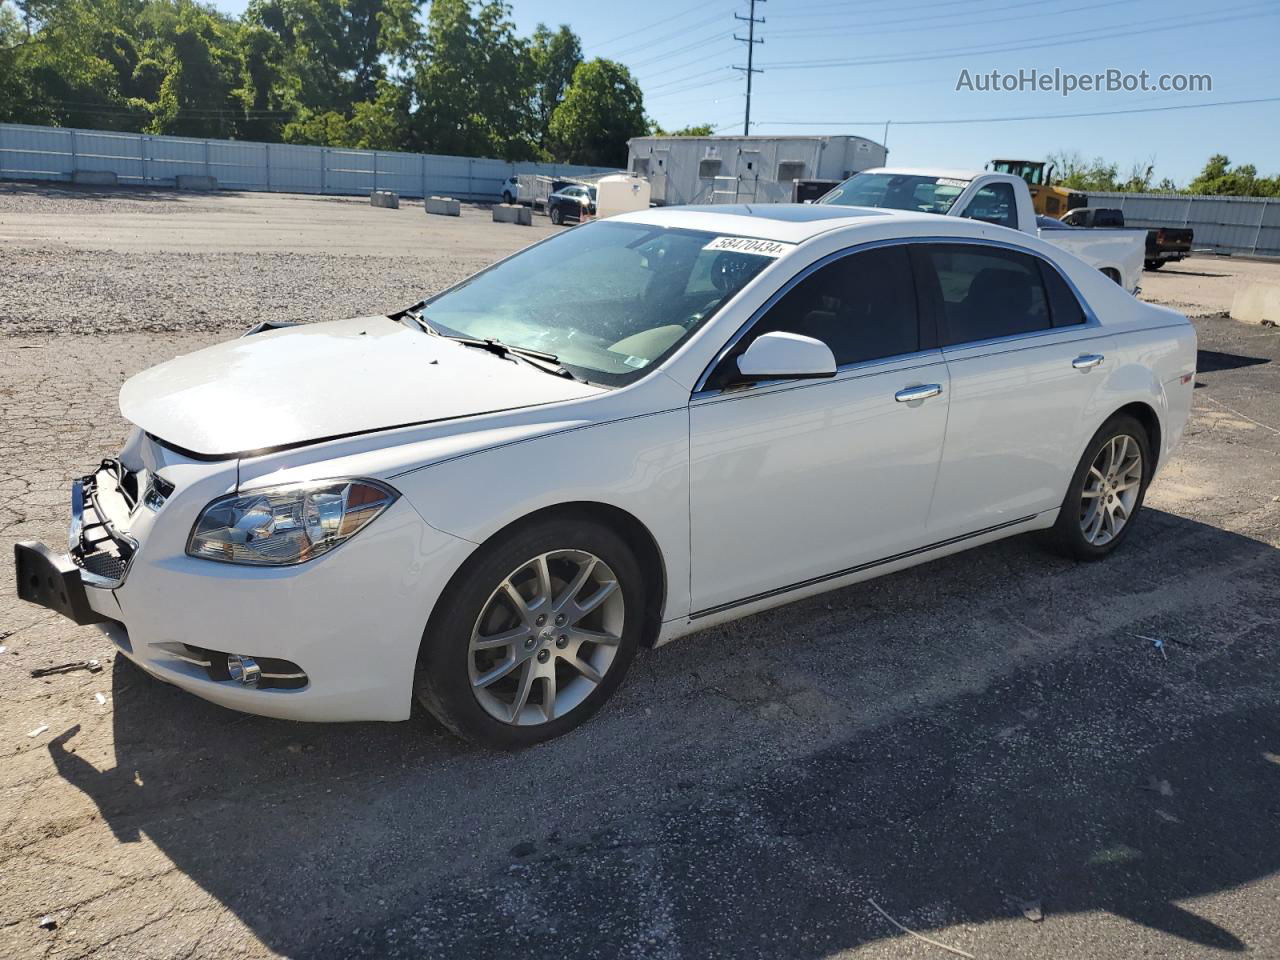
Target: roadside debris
column 1157, row 643
column 1032, row 910
column 38, row 730
column 93, row 666
column 1159, row 786
column 48, row 923
column 956, row 950
column 3, row 648
column 1166, row 816
column 102, row 701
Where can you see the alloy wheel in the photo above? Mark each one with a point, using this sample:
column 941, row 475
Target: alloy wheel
column 546, row 637
column 1111, row 490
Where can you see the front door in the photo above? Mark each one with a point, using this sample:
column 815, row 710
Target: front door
column 792, row 482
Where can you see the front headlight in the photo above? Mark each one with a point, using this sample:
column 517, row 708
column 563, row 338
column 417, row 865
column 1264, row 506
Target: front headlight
column 278, row 526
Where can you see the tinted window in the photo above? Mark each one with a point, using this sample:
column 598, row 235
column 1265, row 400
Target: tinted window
column 994, row 203
column 1064, row 308
column 987, row 292
column 862, row 306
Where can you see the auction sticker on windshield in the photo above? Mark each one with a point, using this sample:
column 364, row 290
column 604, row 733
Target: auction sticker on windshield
column 761, row 248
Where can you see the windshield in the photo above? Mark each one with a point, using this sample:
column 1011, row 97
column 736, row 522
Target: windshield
column 897, row 191
column 608, row 299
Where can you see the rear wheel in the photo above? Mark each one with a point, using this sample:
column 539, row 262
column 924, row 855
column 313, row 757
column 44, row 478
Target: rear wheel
column 1154, row 264
column 534, row 636
column 1106, row 491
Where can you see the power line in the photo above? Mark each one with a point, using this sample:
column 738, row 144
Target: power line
column 663, row 38
column 1014, row 46
column 914, row 22
column 679, row 80
column 750, row 40
column 666, row 21
column 700, row 43
column 1041, row 116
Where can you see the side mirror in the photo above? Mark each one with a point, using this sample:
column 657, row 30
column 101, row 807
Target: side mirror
column 786, row 356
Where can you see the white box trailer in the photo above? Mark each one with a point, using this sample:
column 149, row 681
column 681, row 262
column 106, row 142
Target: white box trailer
column 744, row 169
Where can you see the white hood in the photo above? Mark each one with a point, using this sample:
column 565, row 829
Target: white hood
column 326, row 380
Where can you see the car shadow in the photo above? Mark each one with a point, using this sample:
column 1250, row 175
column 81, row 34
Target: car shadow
column 870, row 758
column 1210, row 361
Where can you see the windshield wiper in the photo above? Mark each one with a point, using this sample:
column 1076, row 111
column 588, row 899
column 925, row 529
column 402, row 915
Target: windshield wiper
column 546, row 362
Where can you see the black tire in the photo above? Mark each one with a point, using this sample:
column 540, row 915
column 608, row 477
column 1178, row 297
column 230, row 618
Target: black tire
column 1154, row 264
column 557, row 217
column 442, row 683
column 1112, row 275
column 508, row 198
column 1066, row 536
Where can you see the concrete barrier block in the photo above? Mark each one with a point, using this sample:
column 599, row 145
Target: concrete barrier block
column 513, row 213
column 444, row 206
column 1257, row 303
column 385, row 198
column 96, row 178
column 195, row 181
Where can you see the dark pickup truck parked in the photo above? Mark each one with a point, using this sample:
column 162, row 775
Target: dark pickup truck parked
column 1164, row 244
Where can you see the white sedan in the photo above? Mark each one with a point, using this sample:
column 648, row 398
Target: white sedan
column 630, row 431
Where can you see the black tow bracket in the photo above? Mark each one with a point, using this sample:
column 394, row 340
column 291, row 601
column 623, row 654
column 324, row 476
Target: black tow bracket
column 51, row 581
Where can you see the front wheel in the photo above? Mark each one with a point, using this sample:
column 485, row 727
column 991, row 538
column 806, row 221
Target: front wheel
column 557, row 217
column 508, row 198
column 534, row 635
column 1154, row 264
column 1106, row 491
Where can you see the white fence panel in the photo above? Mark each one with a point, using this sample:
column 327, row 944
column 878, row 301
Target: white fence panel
column 1241, row 225
column 237, row 165
column 52, row 153
column 291, row 169
column 35, row 153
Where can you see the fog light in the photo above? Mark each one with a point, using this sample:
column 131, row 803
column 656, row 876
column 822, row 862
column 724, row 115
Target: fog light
column 243, row 670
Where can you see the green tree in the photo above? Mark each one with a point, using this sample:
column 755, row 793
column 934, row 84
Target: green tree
column 473, row 83
column 1218, row 177
column 555, row 56
column 696, row 130
column 602, row 109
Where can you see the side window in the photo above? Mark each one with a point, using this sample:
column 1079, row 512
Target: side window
column 987, row 292
column 1064, row 308
column 862, row 306
column 994, row 203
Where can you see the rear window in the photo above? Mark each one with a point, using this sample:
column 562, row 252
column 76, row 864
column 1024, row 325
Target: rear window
column 1064, row 308
column 987, row 292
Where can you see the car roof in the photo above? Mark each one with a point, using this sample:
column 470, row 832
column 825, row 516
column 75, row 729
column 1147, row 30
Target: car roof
column 785, row 222
column 935, row 172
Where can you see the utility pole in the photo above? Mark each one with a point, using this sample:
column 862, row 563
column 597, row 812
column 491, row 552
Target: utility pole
column 750, row 40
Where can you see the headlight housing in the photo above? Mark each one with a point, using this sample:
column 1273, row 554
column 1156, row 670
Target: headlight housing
column 281, row 526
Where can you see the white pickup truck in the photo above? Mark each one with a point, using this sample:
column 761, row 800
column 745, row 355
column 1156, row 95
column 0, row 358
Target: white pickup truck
column 998, row 198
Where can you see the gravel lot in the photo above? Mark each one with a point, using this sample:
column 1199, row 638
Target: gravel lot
column 952, row 741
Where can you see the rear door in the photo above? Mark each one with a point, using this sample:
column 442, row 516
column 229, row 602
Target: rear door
column 794, row 482
column 1025, row 362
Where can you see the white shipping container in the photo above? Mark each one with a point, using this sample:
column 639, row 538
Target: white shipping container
column 684, row 170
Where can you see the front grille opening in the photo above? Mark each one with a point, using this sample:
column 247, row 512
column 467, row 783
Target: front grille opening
column 277, row 674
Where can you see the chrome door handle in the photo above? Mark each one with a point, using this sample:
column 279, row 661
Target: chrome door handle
column 923, row 392
column 1087, row 361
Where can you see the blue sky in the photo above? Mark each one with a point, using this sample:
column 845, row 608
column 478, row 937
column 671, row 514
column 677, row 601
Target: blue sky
column 682, row 53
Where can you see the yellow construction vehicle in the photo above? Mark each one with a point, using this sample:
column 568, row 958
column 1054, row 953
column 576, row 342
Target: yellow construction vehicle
column 1048, row 200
